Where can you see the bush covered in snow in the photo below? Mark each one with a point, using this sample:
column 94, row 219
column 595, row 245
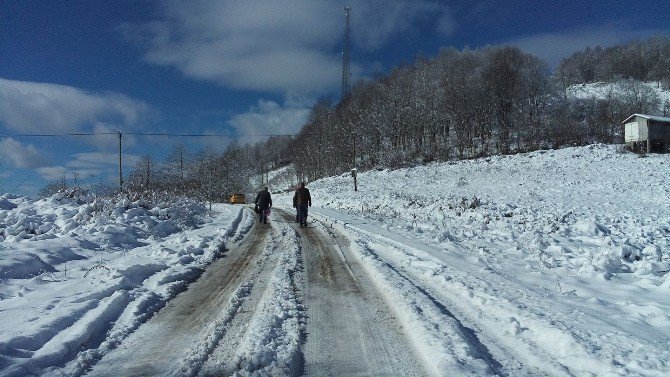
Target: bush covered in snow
column 64, row 213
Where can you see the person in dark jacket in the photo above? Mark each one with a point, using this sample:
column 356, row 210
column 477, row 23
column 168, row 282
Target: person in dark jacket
column 295, row 204
column 301, row 200
column 263, row 203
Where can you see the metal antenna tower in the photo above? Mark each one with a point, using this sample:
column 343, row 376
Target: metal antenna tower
column 346, row 73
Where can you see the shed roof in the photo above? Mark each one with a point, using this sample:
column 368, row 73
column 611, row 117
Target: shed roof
column 650, row 117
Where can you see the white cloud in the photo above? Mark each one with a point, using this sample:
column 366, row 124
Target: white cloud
column 94, row 160
column 553, row 47
column 21, row 156
column 89, row 166
column 107, row 138
column 375, row 22
column 269, row 118
column 30, row 107
column 276, row 46
column 52, row 173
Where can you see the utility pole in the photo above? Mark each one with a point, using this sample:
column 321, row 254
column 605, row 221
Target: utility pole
column 209, row 183
column 148, row 174
column 120, row 172
column 346, row 84
column 346, row 73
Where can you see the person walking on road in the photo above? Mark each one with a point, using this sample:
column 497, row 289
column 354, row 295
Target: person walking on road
column 263, row 203
column 295, row 205
column 301, row 200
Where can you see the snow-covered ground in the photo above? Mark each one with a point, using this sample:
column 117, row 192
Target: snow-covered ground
column 276, row 180
column 603, row 89
column 551, row 262
column 78, row 276
column 557, row 258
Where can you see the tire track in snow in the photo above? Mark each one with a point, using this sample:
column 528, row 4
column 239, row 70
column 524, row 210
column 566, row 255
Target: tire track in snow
column 508, row 362
column 350, row 330
column 87, row 332
column 272, row 344
column 467, row 333
column 148, row 303
column 157, row 346
column 249, row 340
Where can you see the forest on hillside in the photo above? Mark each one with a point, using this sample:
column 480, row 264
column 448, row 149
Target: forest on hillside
column 456, row 105
column 647, row 61
column 474, row 103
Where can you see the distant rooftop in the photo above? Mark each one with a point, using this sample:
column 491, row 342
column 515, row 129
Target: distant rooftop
column 650, row 117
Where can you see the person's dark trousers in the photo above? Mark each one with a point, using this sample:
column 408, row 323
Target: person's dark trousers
column 297, row 215
column 302, row 211
column 262, row 216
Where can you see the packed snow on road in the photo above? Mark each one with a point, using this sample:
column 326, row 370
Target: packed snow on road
column 545, row 263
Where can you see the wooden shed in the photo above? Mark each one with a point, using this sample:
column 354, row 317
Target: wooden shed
column 647, row 133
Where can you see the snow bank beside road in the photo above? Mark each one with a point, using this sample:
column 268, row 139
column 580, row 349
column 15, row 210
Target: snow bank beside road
column 79, row 275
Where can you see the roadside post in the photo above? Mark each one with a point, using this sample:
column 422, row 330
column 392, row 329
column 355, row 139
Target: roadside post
column 353, row 174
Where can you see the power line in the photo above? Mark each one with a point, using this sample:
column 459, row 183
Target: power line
column 200, row 135
column 142, row 134
column 120, row 134
column 22, row 182
column 62, row 134
column 346, row 70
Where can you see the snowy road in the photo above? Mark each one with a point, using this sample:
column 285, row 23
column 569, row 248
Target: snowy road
column 346, row 297
column 350, row 331
column 285, row 301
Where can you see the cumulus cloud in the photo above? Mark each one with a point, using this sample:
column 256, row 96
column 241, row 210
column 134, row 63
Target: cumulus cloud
column 52, row 173
column 553, row 47
column 19, row 155
column 99, row 164
column 274, row 46
column 269, row 118
column 88, row 166
column 375, row 22
column 107, row 139
column 93, row 160
column 30, row 107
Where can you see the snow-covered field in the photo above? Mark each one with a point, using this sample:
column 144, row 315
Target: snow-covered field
column 546, row 263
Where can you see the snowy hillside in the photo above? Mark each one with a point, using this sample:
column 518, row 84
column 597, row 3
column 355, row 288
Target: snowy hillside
column 570, row 210
column 276, row 180
column 563, row 253
column 602, row 89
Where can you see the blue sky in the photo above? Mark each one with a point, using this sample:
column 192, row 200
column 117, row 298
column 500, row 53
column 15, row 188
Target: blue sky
column 244, row 68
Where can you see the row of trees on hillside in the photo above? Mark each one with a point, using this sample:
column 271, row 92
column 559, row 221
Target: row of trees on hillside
column 205, row 174
column 460, row 104
column 647, row 60
column 208, row 174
